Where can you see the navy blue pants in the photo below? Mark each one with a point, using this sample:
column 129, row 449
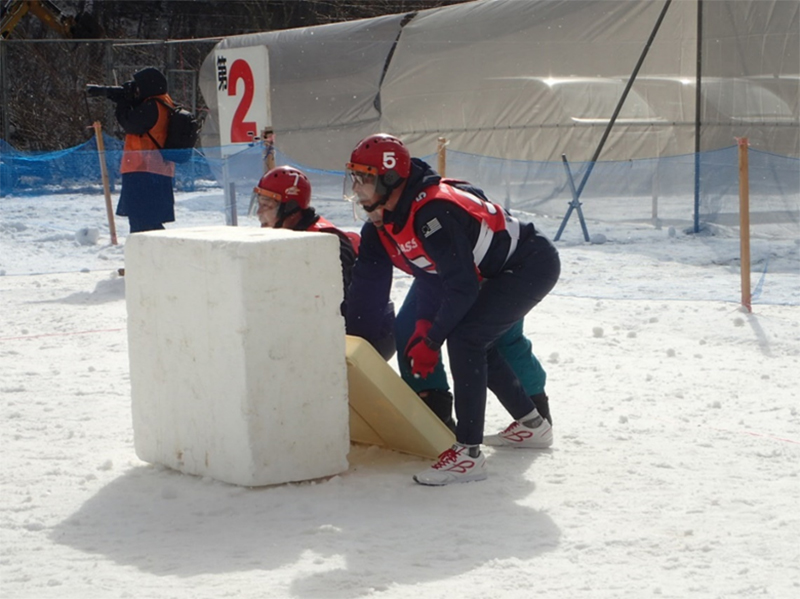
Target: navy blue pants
column 515, row 347
column 147, row 200
column 475, row 362
column 138, row 225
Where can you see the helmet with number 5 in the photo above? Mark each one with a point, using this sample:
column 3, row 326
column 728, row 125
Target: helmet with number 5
column 383, row 156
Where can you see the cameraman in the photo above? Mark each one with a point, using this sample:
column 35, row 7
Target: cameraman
column 146, row 197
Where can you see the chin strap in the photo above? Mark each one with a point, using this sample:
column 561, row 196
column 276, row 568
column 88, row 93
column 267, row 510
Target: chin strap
column 378, row 204
column 284, row 214
column 385, row 197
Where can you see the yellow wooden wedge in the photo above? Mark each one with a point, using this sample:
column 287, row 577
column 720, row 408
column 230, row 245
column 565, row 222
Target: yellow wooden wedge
column 384, row 411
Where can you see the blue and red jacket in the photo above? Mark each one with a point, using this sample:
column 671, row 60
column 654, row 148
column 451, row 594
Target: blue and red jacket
column 406, row 247
column 450, row 238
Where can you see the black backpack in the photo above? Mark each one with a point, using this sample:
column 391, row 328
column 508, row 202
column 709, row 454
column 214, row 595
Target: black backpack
column 182, row 133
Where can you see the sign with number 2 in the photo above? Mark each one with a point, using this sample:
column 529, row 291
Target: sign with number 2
column 242, row 95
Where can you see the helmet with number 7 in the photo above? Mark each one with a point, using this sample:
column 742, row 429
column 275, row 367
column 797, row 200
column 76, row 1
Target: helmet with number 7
column 384, row 156
column 286, row 185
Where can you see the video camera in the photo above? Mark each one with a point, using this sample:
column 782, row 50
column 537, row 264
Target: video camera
column 115, row 93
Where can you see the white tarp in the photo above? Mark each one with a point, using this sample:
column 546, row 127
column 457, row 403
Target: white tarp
column 534, row 80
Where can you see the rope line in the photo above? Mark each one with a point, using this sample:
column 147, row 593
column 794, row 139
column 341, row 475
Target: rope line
column 755, row 434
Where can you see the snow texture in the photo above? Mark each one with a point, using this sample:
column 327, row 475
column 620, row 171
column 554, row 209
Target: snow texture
column 675, row 470
column 223, row 382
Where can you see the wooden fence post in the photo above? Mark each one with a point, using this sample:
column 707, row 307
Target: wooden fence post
column 744, row 222
column 440, row 150
column 101, row 155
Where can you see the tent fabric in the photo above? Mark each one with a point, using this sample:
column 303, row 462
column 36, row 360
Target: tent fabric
column 325, row 84
column 537, row 79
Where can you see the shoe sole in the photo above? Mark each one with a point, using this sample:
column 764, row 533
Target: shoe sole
column 517, row 445
column 472, row 479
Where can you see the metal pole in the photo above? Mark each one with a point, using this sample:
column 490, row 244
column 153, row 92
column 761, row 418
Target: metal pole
column 628, row 87
column 233, row 218
column 108, row 66
column 617, row 110
column 655, row 188
column 3, row 93
column 697, row 109
column 575, row 204
column 4, row 103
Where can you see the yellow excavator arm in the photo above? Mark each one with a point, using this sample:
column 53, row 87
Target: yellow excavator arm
column 48, row 13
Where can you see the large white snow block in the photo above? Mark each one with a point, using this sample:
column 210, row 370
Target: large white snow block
column 237, row 353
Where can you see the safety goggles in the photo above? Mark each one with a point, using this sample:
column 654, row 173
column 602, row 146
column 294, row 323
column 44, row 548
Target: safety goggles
column 263, row 196
column 359, row 178
column 360, row 186
column 358, row 175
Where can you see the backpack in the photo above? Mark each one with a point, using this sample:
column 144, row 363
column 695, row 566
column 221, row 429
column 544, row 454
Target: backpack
column 182, row 133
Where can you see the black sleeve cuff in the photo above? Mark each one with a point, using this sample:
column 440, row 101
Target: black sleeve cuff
column 432, row 344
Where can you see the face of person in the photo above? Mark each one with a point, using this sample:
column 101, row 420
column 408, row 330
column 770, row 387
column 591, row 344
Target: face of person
column 364, row 194
column 363, row 187
column 267, row 211
column 376, row 217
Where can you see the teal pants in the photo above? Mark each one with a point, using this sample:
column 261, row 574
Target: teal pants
column 513, row 345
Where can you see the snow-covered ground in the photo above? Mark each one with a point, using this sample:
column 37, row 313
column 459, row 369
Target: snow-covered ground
column 675, row 471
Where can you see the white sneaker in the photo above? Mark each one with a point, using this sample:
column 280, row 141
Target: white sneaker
column 454, row 466
column 518, row 434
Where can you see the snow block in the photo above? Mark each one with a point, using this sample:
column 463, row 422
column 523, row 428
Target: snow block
column 237, row 353
column 385, row 411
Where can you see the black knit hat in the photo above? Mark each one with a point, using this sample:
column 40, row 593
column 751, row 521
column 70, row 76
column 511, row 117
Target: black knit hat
column 151, row 82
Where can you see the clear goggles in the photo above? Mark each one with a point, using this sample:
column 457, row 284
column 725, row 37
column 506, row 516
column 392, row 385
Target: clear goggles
column 360, row 184
column 260, row 197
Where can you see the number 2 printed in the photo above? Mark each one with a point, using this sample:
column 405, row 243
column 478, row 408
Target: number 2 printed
column 241, row 130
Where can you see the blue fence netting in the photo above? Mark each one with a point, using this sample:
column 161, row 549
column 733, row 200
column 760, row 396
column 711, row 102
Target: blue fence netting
column 77, row 169
column 658, row 190
column 641, row 196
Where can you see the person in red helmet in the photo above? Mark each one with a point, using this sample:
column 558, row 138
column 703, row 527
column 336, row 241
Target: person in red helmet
column 479, row 272
column 282, row 200
column 370, row 313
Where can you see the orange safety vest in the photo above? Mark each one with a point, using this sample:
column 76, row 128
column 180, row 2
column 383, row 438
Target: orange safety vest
column 140, row 154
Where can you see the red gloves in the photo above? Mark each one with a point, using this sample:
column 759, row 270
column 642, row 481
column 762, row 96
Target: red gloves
column 421, row 331
column 420, row 354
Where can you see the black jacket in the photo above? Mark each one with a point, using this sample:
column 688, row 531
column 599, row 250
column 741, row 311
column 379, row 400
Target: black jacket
column 446, row 297
column 138, row 114
column 347, row 253
column 450, row 247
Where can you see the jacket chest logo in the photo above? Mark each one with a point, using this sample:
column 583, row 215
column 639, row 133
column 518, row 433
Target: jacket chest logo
column 408, row 246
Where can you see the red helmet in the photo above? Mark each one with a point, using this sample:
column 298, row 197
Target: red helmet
column 382, row 155
column 286, row 185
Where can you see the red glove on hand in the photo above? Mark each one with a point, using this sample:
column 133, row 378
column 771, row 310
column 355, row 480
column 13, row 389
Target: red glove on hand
column 421, row 331
column 422, row 357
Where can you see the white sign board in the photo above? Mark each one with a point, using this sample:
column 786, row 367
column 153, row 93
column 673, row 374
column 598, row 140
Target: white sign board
column 242, row 96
